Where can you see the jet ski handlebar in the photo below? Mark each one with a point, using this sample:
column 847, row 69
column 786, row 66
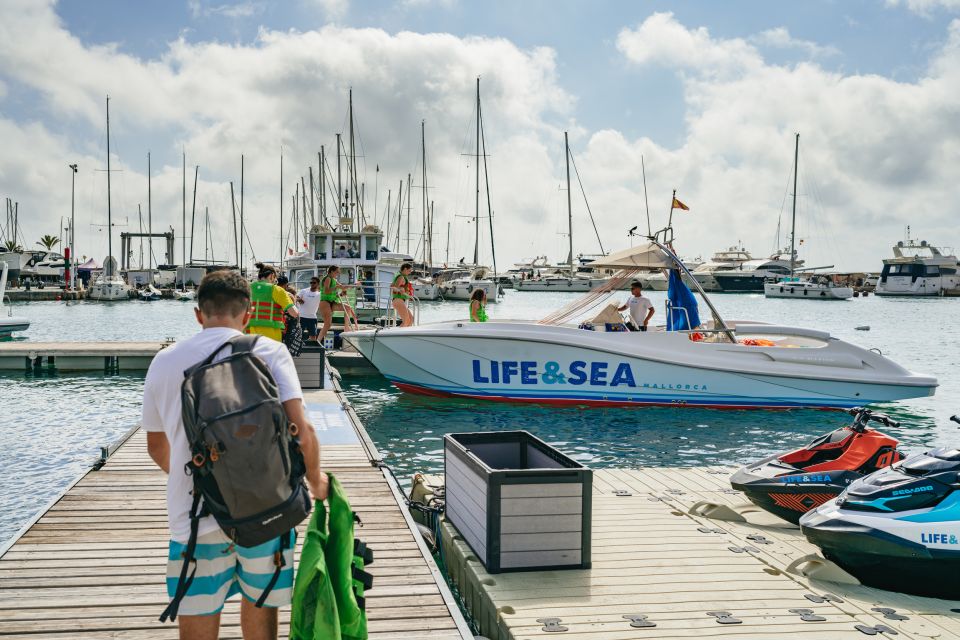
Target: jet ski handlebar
column 863, row 415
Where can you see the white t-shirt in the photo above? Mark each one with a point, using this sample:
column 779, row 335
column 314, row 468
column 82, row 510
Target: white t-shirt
column 311, row 302
column 162, row 410
column 639, row 306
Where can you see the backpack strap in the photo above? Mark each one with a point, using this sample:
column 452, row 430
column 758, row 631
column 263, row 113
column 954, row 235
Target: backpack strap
column 243, row 343
column 279, row 561
column 183, row 584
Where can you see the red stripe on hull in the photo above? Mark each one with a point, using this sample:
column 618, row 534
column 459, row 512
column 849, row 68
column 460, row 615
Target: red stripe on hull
column 565, row 402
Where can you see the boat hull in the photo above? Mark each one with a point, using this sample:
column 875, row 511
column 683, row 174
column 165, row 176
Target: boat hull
column 11, row 324
column 799, row 291
column 739, row 283
column 560, row 284
column 559, row 365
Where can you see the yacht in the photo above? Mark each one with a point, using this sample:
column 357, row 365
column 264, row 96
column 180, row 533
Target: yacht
column 462, row 286
column 9, row 323
column 362, row 259
column 559, row 282
column 718, row 364
column 43, row 266
column 918, row 269
column 750, row 276
column 705, row 274
column 109, row 285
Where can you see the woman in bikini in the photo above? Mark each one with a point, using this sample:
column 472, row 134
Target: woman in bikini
column 330, row 301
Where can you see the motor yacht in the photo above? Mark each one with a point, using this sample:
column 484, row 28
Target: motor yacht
column 559, row 282
column 750, row 276
column 918, row 269
column 739, row 364
column 705, row 274
column 463, row 286
column 9, row 323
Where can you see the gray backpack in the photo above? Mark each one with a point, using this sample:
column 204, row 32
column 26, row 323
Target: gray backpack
column 246, row 463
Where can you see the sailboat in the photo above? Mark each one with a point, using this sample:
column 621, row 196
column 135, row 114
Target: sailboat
column 476, row 277
column 813, row 287
column 8, row 322
column 109, row 285
column 559, row 282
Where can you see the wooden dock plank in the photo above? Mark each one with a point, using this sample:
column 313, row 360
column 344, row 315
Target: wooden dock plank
column 94, row 564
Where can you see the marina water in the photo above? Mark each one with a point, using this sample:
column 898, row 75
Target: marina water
column 54, row 424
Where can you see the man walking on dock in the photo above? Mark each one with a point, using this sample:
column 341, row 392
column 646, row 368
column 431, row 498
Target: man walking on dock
column 263, row 574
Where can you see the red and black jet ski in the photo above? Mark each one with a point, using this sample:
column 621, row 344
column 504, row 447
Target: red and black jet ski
column 793, row 483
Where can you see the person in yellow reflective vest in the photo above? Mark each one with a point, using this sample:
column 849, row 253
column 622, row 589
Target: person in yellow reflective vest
column 269, row 303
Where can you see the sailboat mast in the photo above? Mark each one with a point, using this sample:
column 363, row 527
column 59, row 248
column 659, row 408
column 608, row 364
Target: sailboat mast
column 193, row 210
column 281, row 208
column 353, row 165
column 313, row 211
column 566, row 151
column 409, row 201
column 447, row 258
column 149, row 219
column 242, row 231
column 476, row 213
column 399, row 213
column 339, row 183
column 183, row 252
column 108, row 267
column 233, row 210
column 646, row 203
column 423, row 162
column 793, row 223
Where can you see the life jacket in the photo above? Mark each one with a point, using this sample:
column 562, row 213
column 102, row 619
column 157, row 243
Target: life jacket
column 266, row 312
column 328, row 593
column 406, row 285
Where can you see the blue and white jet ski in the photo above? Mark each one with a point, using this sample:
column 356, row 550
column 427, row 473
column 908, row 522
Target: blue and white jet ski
column 898, row 528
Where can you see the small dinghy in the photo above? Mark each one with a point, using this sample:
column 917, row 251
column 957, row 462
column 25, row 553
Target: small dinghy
column 184, row 295
column 149, row 293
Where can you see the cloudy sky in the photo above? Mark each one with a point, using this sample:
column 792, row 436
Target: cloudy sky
column 708, row 94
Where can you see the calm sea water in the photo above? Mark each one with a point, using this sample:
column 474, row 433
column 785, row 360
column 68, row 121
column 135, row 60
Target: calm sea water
column 53, row 425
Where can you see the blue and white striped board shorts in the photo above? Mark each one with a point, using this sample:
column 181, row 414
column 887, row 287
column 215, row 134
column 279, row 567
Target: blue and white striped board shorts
column 225, row 569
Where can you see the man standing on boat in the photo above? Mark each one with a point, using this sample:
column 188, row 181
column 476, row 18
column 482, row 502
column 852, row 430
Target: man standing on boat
column 220, row 567
column 641, row 309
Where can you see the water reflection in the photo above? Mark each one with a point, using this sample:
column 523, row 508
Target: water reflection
column 409, row 429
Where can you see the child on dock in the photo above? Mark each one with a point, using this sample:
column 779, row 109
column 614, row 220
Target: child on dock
column 220, row 568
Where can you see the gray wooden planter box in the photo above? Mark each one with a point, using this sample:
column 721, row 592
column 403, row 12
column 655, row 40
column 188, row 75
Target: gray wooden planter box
column 310, row 366
column 519, row 503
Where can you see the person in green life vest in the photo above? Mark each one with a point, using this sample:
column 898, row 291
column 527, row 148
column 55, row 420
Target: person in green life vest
column 330, row 290
column 402, row 290
column 478, row 306
column 268, row 304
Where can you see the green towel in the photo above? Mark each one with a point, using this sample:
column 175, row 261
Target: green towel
column 330, row 576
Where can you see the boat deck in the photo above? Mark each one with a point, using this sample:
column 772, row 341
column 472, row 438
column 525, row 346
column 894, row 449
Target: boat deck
column 654, row 556
column 93, row 564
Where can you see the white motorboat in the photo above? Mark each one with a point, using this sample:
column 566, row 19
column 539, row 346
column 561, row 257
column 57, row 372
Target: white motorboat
column 463, row 287
column 705, row 274
column 149, row 293
column 9, row 323
column 559, row 282
column 425, row 289
column 814, row 288
column 109, row 285
column 184, row 295
column 731, row 365
column 918, row 269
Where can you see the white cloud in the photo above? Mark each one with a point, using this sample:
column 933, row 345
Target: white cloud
column 220, row 100
column 926, row 7
column 779, row 37
column 199, row 9
column 871, row 148
column 333, row 9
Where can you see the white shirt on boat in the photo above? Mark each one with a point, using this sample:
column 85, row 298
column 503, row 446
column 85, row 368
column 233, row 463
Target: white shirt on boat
column 162, row 408
column 639, row 307
column 311, row 302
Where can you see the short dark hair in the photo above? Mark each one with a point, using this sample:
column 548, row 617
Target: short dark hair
column 406, row 265
column 223, row 293
column 282, row 280
column 637, row 284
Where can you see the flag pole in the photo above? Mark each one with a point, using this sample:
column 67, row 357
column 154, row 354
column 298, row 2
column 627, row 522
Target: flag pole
column 673, row 200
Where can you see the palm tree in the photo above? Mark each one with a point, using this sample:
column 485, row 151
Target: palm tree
column 48, row 242
column 11, row 245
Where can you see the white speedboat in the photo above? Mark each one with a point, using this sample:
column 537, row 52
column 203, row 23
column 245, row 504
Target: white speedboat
column 149, row 293
column 9, row 323
column 463, row 287
column 425, row 289
column 814, row 288
column 184, row 295
column 731, row 365
column 918, row 269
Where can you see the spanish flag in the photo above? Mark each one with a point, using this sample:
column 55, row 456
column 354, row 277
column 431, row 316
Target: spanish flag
column 679, row 205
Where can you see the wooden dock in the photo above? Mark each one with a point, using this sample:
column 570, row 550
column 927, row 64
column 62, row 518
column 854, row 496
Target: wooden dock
column 656, row 561
column 92, row 565
column 115, row 357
